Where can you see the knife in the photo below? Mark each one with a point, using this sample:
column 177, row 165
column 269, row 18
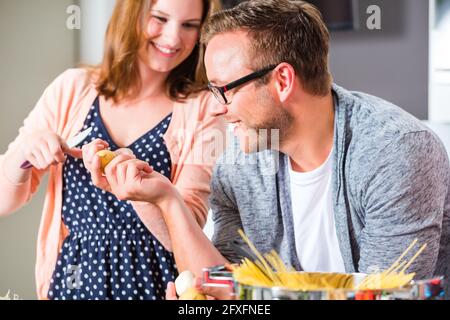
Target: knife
column 71, row 143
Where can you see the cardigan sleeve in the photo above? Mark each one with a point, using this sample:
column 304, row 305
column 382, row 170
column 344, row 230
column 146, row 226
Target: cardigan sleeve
column 201, row 146
column 44, row 116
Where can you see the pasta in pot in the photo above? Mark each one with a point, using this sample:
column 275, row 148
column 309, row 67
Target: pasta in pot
column 270, row 271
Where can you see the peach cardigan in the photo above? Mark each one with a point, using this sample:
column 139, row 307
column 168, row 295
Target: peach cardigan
column 63, row 107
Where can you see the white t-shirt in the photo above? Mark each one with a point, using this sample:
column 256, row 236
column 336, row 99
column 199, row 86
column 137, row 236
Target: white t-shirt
column 314, row 227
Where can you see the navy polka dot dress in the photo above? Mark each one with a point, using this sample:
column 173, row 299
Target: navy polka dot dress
column 109, row 253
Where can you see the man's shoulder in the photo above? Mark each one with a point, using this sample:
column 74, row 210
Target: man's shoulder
column 381, row 138
column 374, row 123
column 373, row 116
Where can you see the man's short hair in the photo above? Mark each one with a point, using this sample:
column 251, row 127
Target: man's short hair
column 290, row 31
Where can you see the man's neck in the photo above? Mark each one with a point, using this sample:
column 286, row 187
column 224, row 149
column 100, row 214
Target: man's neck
column 310, row 139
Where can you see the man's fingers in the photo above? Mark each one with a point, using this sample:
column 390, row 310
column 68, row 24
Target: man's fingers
column 121, row 172
column 124, row 151
column 148, row 168
column 137, row 167
column 112, row 166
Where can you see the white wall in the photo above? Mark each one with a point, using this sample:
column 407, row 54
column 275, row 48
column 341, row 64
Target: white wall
column 95, row 17
column 35, row 47
column 439, row 61
column 391, row 63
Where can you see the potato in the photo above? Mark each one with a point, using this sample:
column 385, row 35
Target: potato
column 192, row 294
column 184, row 281
column 184, row 285
column 106, row 156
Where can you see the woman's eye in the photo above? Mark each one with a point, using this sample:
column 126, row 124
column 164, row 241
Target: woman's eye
column 160, row 19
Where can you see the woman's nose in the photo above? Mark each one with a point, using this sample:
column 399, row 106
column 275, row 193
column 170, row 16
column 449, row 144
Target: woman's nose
column 171, row 33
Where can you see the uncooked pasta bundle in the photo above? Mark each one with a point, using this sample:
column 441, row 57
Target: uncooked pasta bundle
column 270, row 271
column 394, row 277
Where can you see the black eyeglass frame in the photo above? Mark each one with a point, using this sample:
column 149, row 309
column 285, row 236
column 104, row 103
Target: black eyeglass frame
column 219, row 92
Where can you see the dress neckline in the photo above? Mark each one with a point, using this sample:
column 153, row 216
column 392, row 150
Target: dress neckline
column 108, row 135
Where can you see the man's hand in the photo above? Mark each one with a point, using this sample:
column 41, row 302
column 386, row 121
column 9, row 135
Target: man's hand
column 131, row 179
column 92, row 162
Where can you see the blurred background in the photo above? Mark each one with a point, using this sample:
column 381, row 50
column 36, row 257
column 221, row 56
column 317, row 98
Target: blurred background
column 407, row 62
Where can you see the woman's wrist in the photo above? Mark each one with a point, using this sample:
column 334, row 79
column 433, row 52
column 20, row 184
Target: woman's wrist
column 11, row 167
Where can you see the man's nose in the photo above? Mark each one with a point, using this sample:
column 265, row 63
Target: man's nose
column 217, row 109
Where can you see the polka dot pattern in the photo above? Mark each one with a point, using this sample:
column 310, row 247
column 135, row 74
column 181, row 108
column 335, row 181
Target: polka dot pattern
column 109, row 254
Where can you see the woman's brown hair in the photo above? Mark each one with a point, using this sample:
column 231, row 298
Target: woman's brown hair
column 118, row 75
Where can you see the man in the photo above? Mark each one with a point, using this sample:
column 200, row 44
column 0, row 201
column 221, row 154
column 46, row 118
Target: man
column 357, row 180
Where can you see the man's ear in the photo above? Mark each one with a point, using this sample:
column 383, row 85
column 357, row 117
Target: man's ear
column 285, row 77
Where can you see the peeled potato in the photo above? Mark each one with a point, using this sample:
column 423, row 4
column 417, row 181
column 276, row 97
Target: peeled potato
column 106, row 156
column 184, row 281
column 184, row 285
column 192, row 294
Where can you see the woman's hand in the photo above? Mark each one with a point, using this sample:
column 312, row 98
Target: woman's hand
column 171, row 292
column 212, row 293
column 92, row 162
column 45, row 148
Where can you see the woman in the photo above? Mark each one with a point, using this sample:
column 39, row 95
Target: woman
column 145, row 96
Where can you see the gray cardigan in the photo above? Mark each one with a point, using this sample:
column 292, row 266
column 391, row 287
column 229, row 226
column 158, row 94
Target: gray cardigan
column 390, row 182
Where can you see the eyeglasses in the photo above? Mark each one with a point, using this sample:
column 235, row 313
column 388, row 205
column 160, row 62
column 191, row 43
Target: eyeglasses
column 219, row 92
